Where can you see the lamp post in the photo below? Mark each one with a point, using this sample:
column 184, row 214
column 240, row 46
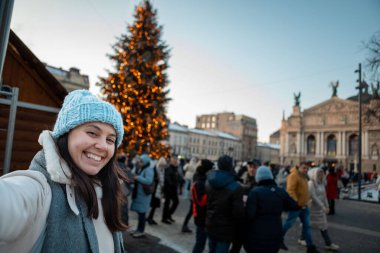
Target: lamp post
column 360, row 87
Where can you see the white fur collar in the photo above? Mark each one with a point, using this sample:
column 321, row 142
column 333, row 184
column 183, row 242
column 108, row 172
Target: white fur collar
column 57, row 168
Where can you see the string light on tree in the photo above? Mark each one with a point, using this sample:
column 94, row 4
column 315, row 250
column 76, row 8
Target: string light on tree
column 138, row 87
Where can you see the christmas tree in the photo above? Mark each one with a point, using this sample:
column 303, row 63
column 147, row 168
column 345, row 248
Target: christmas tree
column 137, row 87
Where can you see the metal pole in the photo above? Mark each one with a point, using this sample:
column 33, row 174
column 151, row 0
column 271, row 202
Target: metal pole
column 6, row 7
column 11, row 128
column 360, row 87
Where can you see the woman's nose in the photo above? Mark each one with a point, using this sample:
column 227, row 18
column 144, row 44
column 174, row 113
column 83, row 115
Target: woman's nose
column 101, row 144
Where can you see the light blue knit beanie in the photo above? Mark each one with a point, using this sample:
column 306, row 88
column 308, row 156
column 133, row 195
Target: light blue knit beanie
column 263, row 173
column 81, row 106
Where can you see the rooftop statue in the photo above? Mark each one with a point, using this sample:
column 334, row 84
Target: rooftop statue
column 297, row 98
column 334, row 87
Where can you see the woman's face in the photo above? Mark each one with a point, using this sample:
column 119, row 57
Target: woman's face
column 91, row 146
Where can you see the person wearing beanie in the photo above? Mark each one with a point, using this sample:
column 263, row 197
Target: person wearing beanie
column 225, row 162
column 140, row 197
column 225, row 207
column 70, row 199
column 264, row 206
column 263, row 173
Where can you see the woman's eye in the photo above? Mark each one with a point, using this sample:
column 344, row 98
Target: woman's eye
column 111, row 141
column 91, row 134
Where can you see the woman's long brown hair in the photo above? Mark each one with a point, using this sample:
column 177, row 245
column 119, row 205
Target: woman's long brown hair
column 109, row 176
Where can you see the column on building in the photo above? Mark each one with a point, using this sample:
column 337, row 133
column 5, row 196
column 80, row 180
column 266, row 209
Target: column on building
column 286, row 143
column 302, row 143
column 322, row 138
column 344, row 148
column 365, row 145
column 298, row 141
column 318, row 144
column 339, row 146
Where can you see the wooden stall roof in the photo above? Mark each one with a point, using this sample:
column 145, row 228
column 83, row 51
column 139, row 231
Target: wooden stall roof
column 36, row 85
column 24, row 70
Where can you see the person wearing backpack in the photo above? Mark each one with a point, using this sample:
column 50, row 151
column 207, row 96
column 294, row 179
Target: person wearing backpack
column 199, row 204
column 225, row 207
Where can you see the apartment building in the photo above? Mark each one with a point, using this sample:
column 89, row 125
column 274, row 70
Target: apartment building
column 241, row 126
column 209, row 144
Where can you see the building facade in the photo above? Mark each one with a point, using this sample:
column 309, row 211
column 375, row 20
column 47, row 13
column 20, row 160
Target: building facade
column 204, row 144
column 267, row 152
column 179, row 140
column 242, row 126
column 274, row 138
column 71, row 80
column 328, row 133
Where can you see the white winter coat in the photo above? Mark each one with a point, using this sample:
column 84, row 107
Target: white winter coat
column 25, row 198
column 319, row 203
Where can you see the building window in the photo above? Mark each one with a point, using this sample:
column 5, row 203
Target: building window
column 374, row 152
column 310, row 145
column 353, row 145
column 331, row 145
column 293, row 148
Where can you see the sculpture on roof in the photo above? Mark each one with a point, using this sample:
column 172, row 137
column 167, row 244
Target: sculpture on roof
column 297, row 98
column 334, row 87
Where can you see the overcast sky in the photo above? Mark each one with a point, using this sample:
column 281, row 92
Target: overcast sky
column 246, row 57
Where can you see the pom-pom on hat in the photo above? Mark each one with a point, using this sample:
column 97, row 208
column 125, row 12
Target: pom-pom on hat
column 81, row 106
column 263, row 173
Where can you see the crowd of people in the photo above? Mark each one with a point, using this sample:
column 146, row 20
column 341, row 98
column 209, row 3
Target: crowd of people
column 236, row 206
column 79, row 192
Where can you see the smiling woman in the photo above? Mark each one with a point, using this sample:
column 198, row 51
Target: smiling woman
column 72, row 185
column 91, row 146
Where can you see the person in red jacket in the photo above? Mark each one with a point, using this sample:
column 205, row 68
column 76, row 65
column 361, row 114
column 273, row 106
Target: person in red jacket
column 198, row 192
column 331, row 189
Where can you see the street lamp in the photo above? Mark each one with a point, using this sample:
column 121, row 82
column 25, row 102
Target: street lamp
column 360, row 87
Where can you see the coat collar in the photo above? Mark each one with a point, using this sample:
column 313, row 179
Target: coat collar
column 57, row 167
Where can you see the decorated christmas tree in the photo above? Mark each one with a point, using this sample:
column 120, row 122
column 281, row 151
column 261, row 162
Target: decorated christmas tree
column 137, row 88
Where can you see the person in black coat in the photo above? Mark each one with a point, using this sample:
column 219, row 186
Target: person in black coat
column 265, row 204
column 225, row 207
column 170, row 191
